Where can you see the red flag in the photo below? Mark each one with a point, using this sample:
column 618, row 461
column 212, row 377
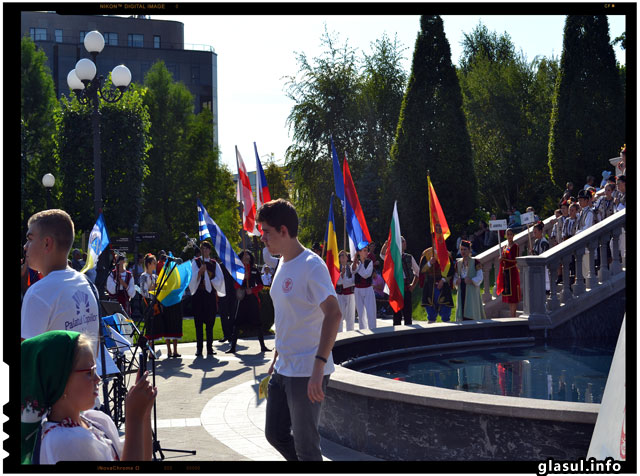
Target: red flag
column 245, row 195
column 439, row 229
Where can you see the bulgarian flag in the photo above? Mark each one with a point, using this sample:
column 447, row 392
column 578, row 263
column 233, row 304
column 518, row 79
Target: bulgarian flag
column 333, row 264
column 392, row 269
column 439, row 229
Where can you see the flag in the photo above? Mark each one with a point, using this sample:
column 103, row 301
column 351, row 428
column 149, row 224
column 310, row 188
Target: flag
column 245, row 195
column 337, row 174
column 439, row 229
column 207, row 228
column 173, row 281
column 333, row 264
column 356, row 225
column 262, row 193
column 392, row 268
column 98, row 241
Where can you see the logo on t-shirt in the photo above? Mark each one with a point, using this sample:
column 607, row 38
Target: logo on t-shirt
column 287, row 286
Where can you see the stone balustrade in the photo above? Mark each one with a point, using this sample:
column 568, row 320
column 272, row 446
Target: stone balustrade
column 549, row 310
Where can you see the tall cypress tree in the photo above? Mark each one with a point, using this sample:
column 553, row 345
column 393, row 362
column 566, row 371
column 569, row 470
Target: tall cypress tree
column 431, row 136
column 588, row 117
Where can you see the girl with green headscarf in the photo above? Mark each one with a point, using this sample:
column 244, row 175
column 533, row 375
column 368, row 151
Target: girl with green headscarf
column 58, row 389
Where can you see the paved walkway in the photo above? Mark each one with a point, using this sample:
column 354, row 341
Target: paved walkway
column 210, row 405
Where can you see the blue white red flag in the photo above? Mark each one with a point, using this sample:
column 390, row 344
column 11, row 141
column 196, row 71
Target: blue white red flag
column 262, row 193
column 356, row 225
column 207, row 228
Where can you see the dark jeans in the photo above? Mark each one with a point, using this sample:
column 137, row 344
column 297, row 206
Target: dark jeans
column 204, row 314
column 406, row 310
column 291, row 425
column 227, row 312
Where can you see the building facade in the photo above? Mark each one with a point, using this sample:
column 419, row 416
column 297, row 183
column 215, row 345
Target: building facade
column 137, row 42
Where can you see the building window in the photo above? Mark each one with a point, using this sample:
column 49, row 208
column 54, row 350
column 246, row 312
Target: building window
column 38, row 34
column 173, row 69
column 111, row 39
column 135, row 40
column 195, row 74
column 206, row 105
column 156, row 41
column 58, row 36
column 82, row 35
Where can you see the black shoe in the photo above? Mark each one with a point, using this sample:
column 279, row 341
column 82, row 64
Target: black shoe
column 264, row 348
column 232, row 350
column 223, row 340
column 199, row 354
column 211, row 352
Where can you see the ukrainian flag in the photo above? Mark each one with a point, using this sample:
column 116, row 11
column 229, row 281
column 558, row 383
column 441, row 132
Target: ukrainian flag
column 173, row 280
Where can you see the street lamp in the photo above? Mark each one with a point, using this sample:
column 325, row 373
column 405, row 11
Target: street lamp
column 88, row 87
column 48, row 180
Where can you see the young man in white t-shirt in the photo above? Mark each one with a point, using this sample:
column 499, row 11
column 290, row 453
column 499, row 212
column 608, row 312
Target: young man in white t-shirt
column 63, row 298
column 307, row 319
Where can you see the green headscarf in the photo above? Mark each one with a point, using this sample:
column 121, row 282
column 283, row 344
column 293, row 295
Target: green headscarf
column 46, row 362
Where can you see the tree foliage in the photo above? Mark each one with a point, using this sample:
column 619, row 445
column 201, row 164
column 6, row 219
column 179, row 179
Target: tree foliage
column 183, row 165
column 431, row 137
column 37, row 108
column 588, row 117
column 507, row 102
column 356, row 100
column 279, row 184
column 124, row 138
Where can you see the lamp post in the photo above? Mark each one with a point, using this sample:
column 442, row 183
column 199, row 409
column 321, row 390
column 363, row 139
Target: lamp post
column 88, row 87
column 48, row 180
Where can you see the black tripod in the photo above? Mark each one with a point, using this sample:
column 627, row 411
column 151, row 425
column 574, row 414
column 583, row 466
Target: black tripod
column 143, row 343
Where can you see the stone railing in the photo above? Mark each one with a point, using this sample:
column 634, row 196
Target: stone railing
column 490, row 259
column 582, row 246
column 589, row 288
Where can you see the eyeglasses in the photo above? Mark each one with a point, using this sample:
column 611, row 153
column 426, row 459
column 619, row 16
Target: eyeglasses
column 93, row 371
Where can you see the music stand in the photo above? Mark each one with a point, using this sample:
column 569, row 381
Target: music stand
column 144, row 345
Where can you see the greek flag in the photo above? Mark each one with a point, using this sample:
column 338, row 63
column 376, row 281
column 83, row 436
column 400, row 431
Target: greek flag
column 207, row 228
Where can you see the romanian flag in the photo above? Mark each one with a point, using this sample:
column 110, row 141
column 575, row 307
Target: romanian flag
column 98, row 241
column 392, row 269
column 245, row 195
column 356, row 225
column 333, row 264
column 439, row 229
column 172, row 282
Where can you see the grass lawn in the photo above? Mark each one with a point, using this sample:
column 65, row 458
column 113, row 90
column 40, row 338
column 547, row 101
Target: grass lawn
column 189, row 331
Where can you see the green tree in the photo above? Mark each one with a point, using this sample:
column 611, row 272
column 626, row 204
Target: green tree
column 124, row 139
column 507, row 102
column 588, row 87
column 356, row 99
column 183, row 164
column 279, row 184
column 431, row 136
column 37, row 108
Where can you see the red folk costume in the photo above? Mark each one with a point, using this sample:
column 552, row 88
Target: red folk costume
column 508, row 281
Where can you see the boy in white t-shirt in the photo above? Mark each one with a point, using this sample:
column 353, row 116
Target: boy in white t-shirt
column 307, row 318
column 63, row 298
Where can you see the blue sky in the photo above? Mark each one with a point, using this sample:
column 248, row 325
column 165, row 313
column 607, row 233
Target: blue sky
column 255, row 53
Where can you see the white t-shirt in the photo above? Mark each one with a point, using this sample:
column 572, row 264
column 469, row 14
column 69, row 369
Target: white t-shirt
column 62, row 300
column 100, row 442
column 298, row 288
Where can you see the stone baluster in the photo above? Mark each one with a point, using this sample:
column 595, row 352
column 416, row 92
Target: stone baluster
column 603, row 274
column 486, row 270
column 578, row 286
column 566, row 280
column 615, row 263
column 592, row 278
column 552, row 302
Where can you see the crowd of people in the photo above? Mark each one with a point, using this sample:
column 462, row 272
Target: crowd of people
column 60, row 318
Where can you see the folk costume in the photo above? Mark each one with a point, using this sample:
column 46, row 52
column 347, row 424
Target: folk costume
column 346, row 298
column 436, row 301
column 508, row 280
column 540, row 246
column 155, row 328
column 203, row 289
column 116, row 290
column 365, row 297
column 469, row 303
column 248, row 307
